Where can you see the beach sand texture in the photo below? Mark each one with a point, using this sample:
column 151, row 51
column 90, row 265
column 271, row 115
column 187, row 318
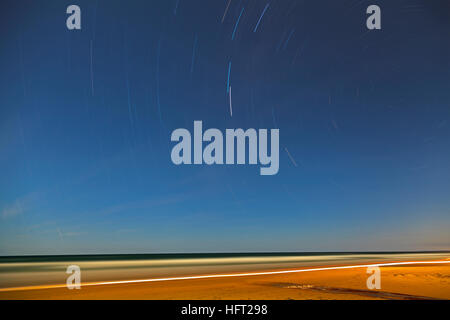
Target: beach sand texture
column 400, row 282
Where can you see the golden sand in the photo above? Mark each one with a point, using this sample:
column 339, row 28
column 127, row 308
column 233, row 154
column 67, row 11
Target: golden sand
column 431, row 281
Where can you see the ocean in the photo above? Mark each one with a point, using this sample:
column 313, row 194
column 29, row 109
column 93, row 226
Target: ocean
column 36, row 270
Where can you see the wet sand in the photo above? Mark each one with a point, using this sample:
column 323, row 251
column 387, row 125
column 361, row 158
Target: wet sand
column 429, row 281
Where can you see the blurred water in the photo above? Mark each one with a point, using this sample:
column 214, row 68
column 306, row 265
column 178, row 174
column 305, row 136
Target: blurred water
column 39, row 270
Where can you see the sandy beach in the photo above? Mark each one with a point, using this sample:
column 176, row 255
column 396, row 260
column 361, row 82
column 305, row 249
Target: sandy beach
column 399, row 282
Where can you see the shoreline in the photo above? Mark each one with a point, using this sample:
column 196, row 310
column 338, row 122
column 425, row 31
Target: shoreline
column 405, row 280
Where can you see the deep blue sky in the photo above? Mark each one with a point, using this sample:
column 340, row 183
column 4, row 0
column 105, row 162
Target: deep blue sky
column 86, row 118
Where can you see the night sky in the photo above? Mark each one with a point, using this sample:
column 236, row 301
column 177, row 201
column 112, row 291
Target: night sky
column 86, row 117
